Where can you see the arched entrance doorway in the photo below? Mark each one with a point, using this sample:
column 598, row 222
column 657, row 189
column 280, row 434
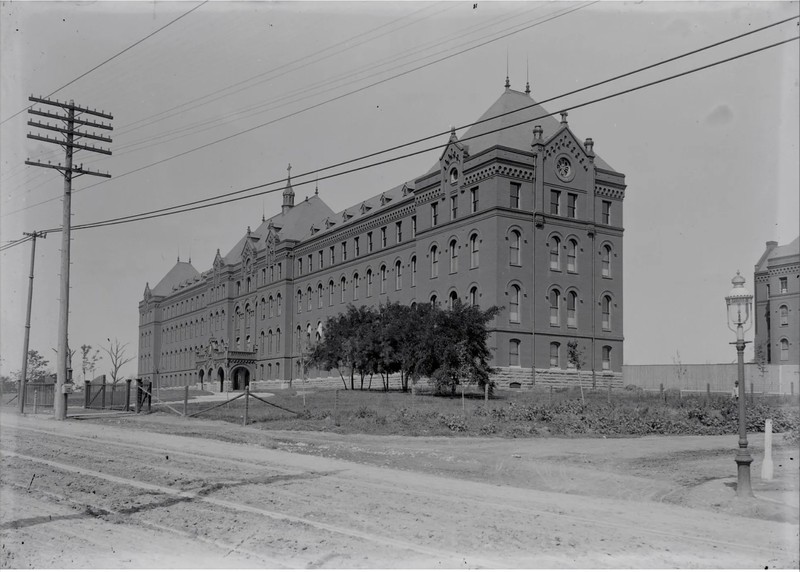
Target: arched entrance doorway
column 221, row 379
column 201, row 375
column 241, row 378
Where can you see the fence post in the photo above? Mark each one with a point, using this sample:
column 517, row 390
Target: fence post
column 708, row 392
column 766, row 466
column 35, row 401
column 149, row 397
column 103, row 398
column 609, row 391
column 111, row 403
column 791, row 387
column 246, row 404
column 661, row 391
column 486, row 392
column 87, row 393
column 463, row 403
column 185, row 399
column 413, row 395
column 752, row 393
column 127, row 395
column 138, row 406
column 336, row 408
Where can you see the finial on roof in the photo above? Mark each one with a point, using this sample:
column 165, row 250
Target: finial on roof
column 527, row 78
column 289, row 173
column 564, row 118
column 589, row 144
column 288, row 192
column 508, row 83
column 537, row 133
column 218, row 251
column 248, row 230
column 263, row 213
column 316, row 186
column 453, row 133
column 190, row 260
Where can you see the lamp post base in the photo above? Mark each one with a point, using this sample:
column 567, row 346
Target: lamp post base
column 743, row 461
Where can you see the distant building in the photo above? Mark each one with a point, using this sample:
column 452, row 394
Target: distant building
column 777, row 302
column 526, row 217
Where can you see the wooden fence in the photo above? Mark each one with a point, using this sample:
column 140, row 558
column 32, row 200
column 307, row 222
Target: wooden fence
column 719, row 378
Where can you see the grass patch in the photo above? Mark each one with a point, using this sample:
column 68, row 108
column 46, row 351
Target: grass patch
column 510, row 414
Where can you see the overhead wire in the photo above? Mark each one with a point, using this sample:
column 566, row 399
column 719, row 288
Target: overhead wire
column 112, row 57
column 560, row 96
column 179, row 208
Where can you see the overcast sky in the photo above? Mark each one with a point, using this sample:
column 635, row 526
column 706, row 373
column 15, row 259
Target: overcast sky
column 711, row 160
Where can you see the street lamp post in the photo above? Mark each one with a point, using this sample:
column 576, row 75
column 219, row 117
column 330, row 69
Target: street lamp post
column 739, row 303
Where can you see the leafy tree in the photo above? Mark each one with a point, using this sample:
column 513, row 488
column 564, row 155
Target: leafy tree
column 89, row 359
column 576, row 354
column 117, row 354
column 37, row 368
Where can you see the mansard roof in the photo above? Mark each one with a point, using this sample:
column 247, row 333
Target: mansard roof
column 179, row 274
column 513, row 107
column 782, row 251
column 293, row 225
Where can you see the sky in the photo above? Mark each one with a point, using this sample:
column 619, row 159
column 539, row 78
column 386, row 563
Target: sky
column 711, row 159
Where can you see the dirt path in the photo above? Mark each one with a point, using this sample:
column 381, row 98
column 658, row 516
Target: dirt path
column 107, row 493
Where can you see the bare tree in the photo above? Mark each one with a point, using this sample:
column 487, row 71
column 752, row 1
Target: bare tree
column 89, row 359
column 116, row 354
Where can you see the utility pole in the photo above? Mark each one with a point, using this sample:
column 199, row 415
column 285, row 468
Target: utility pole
column 70, row 141
column 26, row 339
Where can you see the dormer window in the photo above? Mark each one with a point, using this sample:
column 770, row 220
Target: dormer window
column 453, row 175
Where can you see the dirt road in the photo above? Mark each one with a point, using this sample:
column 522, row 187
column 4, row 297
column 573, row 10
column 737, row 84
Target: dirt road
column 77, row 494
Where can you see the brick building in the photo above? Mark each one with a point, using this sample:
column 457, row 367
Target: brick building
column 777, row 302
column 526, row 217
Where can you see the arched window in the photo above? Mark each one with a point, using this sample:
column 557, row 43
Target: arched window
column 555, row 297
column 277, row 370
column 263, row 310
column 514, row 295
column 474, row 247
column 784, row 313
column 310, row 298
column 269, row 342
column 413, row 271
column 369, row 283
column 278, row 342
column 383, row 279
column 606, row 358
column 280, row 304
column 261, row 347
column 514, row 245
column 248, row 284
column 784, row 349
column 343, row 288
column 451, row 301
column 355, row 286
column 298, row 339
column 473, row 296
column 555, row 358
column 513, row 353
column 433, row 299
column 434, row 261
column 555, row 253
column 572, row 316
column 269, row 371
column 605, row 254
column 319, row 295
column 606, row 310
column 271, row 306
column 398, row 276
column 330, row 293
column 299, row 301
column 453, row 256
column 572, row 255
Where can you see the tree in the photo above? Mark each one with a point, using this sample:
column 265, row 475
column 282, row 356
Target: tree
column 575, row 354
column 117, row 355
column 37, row 368
column 89, row 359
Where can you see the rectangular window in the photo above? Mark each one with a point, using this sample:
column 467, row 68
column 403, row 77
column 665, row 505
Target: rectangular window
column 606, row 212
column 434, row 214
column 383, row 237
column 413, row 227
column 310, row 263
column 357, row 248
column 784, row 285
column 332, row 251
column 454, row 207
column 515, row 188
column 299, row 266
column 555, row 202
column 280, row 270
column 606, row 358
column 321, row 260
column 398, row 232
column 369, row 242
column 572, row 203
column 473, row 197
column 344, row 251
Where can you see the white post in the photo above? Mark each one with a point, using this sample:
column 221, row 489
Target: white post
column 766, row 467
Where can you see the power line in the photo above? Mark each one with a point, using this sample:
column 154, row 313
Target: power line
column 439, row 134
column 352, row 92
column 568, row 11
column 194, row 206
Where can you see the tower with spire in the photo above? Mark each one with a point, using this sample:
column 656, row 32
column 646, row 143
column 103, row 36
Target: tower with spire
column 288, row 192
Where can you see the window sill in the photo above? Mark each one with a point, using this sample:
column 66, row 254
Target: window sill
column 555, row 269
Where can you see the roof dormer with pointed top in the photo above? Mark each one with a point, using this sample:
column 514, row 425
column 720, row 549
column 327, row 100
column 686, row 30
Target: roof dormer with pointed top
column 288, row 192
